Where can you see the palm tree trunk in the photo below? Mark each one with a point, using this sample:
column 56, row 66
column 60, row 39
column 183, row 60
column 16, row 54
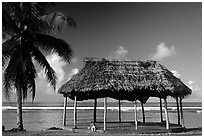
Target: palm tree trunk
column 19, row 109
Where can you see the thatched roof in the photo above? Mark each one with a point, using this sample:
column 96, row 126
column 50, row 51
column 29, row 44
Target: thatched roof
column 123, row 80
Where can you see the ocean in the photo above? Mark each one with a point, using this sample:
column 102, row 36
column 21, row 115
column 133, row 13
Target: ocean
column 41, row 116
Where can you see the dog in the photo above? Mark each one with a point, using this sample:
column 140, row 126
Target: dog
column 92, row 127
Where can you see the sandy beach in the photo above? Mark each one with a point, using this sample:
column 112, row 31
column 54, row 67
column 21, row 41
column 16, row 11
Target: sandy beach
column 188, row 132
column 113, row 129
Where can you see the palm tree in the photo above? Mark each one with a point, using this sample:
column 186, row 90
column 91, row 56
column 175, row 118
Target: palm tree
column 27, row 27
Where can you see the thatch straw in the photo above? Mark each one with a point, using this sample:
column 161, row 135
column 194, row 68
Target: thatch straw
column 123, row 80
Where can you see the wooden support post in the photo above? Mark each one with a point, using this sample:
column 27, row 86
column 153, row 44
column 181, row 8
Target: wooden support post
column 64, row 113
column 166, row 114
column 143, row 113
column 136, row 127
column 75, row 112
column 177, row 105
column 160, row 101
column 95, row 105
column 105, row 112
column 119, row 111
column 182, row 120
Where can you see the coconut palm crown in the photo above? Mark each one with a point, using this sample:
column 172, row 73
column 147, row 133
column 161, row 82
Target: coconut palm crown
column 27, row 26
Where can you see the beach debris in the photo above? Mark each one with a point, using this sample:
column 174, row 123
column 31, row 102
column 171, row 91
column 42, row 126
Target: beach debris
column 54, row 128
column 16, row 130
column 3, row 128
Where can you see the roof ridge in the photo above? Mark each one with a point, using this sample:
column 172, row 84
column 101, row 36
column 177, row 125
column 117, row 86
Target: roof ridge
column 89, row 59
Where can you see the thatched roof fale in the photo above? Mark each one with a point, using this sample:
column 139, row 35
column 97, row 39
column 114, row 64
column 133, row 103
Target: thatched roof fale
column 123, row 80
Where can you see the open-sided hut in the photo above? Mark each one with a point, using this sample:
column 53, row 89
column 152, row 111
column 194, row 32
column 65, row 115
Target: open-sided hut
column 125, row 80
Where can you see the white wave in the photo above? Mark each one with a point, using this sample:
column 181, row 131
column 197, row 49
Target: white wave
column 6, row 107
column 198, row 111
column 138, row 108
column 48, row 108
column 100, row 108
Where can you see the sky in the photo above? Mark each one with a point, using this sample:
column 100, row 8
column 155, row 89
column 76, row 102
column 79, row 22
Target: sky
column 170, row 33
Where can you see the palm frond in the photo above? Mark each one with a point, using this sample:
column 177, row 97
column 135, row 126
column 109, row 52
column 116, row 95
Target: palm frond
column 20, row 71
column 12, row 75
column 38, row 25
column 8, row 82
column 7, row 49
column 29, row 78
column 9, row 26
column 32, row 18
column 32, row 88
column 22, row 21
column 47, row 42
column 41, row 6
column 50, row 73
column 58, row 21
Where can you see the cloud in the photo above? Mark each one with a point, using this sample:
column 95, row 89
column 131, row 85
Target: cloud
column 193, row 86
column 57, row 63
column 118, row 54
column 163, row 51
column 196, row 95
column 74, row 60
column 175, row 73
column 191, row 82
column 72, row 73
